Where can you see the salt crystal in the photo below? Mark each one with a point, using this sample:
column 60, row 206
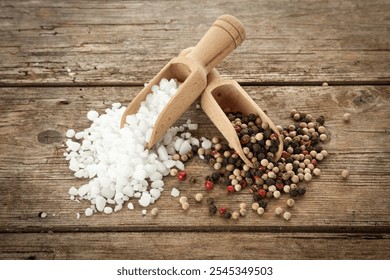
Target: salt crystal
column 178, row 143
column 70, row 133
column 157, row 184
column 206, row 144
column 88, row 212
column 145, row 199
column 155, row 193
column 162, row 153
column 107, row 210
column 128, row 191
column 193, row 126
column 73, row 146
column 92, row 115
column 107, row 192
column 194, row 141
column 175, row 192
column 83, row 190
column 185, row 148
column 179, row 165
column 118, row 207
column 144, row 212
column 73, row 191
column 130, row 206
column 77, row 216
column 100, row 203
column 79, row 135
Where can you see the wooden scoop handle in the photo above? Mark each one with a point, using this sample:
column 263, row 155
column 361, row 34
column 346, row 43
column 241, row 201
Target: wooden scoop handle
column 226, row 34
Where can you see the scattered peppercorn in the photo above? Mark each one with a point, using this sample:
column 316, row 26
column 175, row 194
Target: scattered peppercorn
column 213, row 209
column 346, row 117
column 345, row 173
column 182, row 175
column 199, row 197
column 278, row 211
column 287, row 216
column 209, row 185
column 185, row 206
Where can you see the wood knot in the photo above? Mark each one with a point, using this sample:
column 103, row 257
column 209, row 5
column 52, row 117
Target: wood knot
column 63, row 102
column 49, row 137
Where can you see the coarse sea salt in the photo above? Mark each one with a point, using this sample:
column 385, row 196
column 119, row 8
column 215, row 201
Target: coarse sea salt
column 115, row 160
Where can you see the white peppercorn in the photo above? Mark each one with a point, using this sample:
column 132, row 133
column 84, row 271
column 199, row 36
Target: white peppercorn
column 260, row 210
column 183, row 199
column 215, row 140
column 173, row 172
column 243, row 211
column 321, row 129
column 287, row 216
column 278, row 211
column 154, row 211
column 235, row 215
column 255, row 206
column 316, row 171
column 346, row 117
column 345, row 173
column 199, row 197
column 290, row 202
column 319, row 157
column 307, row 177
column 277, row 194
column 323, row 137
column 185, row 206
column 242, row 205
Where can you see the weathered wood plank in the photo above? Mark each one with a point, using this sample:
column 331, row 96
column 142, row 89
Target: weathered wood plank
column 128, row 42
column 34, row 176
column 194, row 245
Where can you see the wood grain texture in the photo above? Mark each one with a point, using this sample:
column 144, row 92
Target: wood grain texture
column 194, row 245
column 128, row 42
column 34, row 175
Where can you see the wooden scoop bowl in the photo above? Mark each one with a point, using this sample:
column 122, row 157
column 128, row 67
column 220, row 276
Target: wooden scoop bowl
column 227, row 95
column 191, row 71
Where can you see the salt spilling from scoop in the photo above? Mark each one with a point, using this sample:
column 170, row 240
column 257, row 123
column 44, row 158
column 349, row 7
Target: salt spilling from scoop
column 115, row 160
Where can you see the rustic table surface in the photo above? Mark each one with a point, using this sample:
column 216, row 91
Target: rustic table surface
column 60, row 59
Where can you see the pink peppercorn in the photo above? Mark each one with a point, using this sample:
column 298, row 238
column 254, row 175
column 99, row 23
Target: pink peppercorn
column 209, row 185
column 182, row 175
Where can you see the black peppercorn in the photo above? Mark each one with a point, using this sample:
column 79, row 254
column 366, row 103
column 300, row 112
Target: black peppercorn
column 227, row 215
column 294, row 193
column 269, row 181
column 213, row 209
column 301, row 191
column 256, row 197
column 195, row 149
column 263, row 203
column 252, row 117
column 210, row 201
column 318, row 149
column 321, row 120
column 215, row 176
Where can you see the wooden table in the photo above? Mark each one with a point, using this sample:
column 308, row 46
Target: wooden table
column 59, row 60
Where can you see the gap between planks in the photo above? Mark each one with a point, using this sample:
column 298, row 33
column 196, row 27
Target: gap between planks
column 129, row 84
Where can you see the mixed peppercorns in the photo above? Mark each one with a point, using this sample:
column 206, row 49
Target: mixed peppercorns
column 302, row 152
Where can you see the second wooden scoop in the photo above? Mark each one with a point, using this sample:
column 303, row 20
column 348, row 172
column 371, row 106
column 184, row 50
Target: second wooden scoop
column 191, row 71
column 221, row 95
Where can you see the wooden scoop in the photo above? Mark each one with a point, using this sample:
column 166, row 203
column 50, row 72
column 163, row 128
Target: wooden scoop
column 227, row 95
column 222, row 38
